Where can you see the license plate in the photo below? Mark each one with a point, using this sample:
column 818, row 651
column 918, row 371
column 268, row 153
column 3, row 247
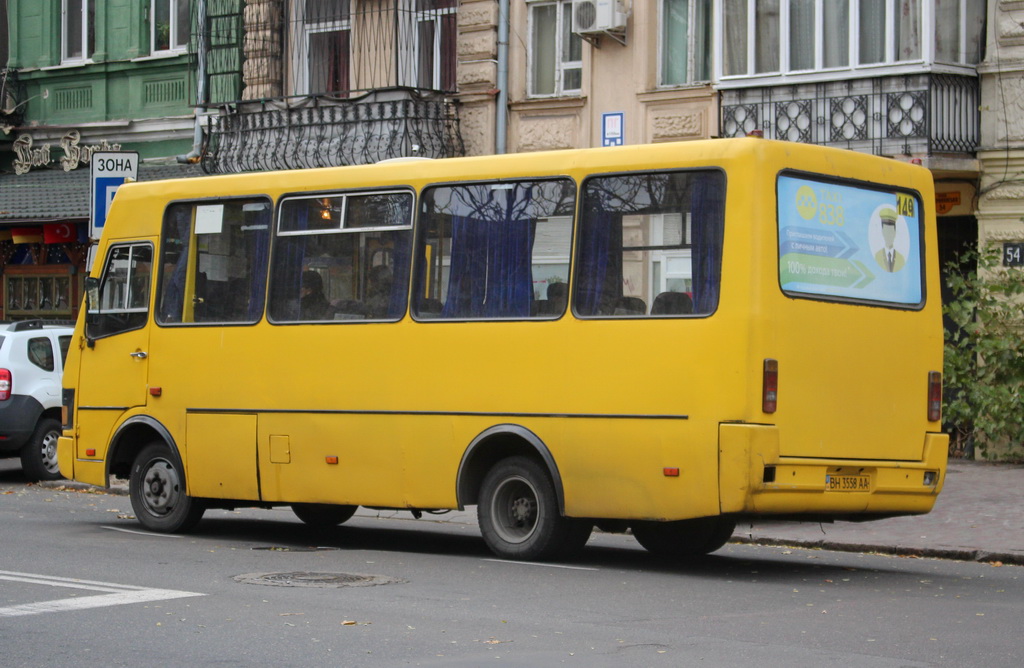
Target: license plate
column 847, row 483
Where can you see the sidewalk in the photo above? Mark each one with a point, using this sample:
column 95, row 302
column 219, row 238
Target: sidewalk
column 979, row 516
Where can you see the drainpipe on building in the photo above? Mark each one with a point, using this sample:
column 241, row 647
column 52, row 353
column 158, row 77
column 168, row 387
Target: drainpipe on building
column 196, row 153
column 501, row 124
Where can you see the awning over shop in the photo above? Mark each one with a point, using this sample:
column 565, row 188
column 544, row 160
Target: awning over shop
column 51, row 195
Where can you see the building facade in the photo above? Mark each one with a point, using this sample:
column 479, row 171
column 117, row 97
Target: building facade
column 80, row 76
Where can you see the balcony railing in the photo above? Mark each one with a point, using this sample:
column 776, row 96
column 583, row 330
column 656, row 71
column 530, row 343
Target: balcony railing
column 316, row 83
column 924, row 114
column 284, row 134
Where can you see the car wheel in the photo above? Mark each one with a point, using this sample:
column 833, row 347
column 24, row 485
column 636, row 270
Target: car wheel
column 157, row 490
column 518, row 514
column 39, row 455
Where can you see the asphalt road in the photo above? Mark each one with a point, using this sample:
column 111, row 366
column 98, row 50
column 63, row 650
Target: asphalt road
column 81, row 584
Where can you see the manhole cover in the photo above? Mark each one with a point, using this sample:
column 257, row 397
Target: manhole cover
column 307, row 579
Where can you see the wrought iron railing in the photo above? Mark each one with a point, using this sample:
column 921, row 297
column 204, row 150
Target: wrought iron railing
column 923, row 114
column 290, row 134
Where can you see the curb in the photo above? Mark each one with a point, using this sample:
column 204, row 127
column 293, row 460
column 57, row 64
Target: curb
column 951, row 554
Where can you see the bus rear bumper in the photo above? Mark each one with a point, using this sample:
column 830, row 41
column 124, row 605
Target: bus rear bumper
column 755, row 480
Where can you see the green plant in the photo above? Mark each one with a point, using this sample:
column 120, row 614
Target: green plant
column 984, row 355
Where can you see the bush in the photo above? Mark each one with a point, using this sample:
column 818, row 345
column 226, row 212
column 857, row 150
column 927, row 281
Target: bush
column 984, row 356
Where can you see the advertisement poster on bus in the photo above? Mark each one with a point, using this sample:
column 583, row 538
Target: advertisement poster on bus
column 844, row 241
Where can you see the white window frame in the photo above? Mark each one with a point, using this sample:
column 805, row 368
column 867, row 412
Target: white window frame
column 854, row 69
column 561, row 66
column 303, row 30
column 172, row 9
column 692, row 44
column 85, row 56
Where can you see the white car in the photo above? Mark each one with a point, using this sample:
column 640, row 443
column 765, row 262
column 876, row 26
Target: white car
column 32, row 358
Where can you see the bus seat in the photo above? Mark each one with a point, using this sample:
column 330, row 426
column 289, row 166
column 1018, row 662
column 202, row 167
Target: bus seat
column 672, row 303
column 630, row 306
column 429, row 308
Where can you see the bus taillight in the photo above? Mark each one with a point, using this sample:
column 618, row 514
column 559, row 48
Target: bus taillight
column 934, row 396
column 770, row 386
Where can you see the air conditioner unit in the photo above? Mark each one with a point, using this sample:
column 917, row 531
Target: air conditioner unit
column 597, row 16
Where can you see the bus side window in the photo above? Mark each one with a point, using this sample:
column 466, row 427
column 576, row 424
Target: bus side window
column 484, row 246
column 342, row 257
column 650, row 239
column 214, row 261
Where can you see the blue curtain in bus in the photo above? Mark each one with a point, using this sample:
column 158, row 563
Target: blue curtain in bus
column 707, row 209
column 510, row 276
column 259, row 252
column 467, row 277
column 600, row 261
column 177, row 227
column 401, row 252
column 289, row 255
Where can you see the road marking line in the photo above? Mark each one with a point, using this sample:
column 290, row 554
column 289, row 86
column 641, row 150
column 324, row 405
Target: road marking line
column 142, row 533
column 120, row 594
column 536, row 563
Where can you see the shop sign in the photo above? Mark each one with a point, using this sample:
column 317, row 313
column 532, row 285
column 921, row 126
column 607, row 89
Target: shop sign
column 74, row 154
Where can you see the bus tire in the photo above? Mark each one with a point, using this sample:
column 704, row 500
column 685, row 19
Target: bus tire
column 39, row 455
column 518, row 514
column 157, row 490
column 684, row 539
column 323, row 515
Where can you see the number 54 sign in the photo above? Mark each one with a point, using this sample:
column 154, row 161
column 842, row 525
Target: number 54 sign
column 1013, row 255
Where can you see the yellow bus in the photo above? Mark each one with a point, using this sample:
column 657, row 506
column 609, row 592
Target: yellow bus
column 662, row 338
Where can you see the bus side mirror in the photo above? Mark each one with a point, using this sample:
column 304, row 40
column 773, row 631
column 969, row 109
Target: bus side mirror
column 92, row 307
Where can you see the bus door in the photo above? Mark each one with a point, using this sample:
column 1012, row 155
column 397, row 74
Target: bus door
column 117, row 348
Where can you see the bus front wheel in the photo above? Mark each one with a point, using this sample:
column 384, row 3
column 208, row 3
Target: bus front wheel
column 685, row 538
column 323, row 515
column 518, row 514
column 157, row 490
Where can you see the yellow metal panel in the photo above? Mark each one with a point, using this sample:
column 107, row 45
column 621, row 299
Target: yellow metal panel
column 220, row 456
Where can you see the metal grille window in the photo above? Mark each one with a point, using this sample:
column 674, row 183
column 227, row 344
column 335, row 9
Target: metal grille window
column 78, row 30
column 555, row 52
column 169, row 26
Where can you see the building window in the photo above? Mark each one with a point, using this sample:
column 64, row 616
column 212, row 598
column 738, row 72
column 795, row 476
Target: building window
column 436, row 32
column 169, row 26
column 324, row 46
column 762, row 37
column 685, row 42
column 555, row 52
column 78, row 30
column 959, row 29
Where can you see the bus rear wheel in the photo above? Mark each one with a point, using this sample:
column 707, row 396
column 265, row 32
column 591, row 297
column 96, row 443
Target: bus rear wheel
column 323, row 515
column 518, row 514
column 684, row 539
column 157, row 490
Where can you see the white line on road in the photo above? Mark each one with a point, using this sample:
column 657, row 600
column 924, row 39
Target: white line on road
column 142, row 533
column 121, row 594
column 534, row 563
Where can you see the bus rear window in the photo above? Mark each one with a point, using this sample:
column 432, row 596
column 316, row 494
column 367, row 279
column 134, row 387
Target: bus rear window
column 650, row 245
column 849, row 242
